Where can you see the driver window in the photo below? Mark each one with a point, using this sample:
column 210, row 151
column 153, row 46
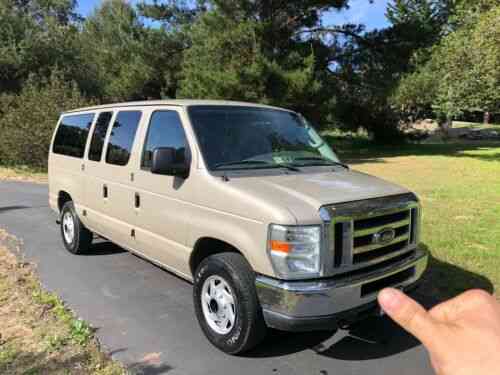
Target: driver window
column 165, row 130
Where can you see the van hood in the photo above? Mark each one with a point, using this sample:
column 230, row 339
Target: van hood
column 297, row 191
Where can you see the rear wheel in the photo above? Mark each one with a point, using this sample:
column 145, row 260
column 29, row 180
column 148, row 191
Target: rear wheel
column 76, row 238
column 226, row 303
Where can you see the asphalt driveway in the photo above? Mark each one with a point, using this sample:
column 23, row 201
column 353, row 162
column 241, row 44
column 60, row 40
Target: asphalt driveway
column 145, row 318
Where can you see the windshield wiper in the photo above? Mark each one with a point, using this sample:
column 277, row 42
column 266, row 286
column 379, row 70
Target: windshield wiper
column 323, row 160
column 240, row 162
column 287, row 166
column 266, row 164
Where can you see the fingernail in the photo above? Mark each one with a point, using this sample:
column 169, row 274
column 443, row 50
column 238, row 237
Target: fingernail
column 389, row 299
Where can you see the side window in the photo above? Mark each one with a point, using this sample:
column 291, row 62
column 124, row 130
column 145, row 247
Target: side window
column 71, row 136
column 165, row 130
column 100, row 130
column 122, row 137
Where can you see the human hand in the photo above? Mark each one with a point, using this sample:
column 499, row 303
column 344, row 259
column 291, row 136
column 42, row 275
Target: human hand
column 462, row 335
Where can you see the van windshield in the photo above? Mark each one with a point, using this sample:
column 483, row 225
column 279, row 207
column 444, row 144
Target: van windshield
column 236, row 137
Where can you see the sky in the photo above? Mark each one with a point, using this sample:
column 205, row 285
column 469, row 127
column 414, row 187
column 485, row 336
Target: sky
column 360, row 11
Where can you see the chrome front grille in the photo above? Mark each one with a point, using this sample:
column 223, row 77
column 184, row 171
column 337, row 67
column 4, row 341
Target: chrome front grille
column 367, row 232
column 366, row 242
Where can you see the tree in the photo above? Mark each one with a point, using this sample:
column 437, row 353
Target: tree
column 372, row 63
column 416, row 92
column 29, row 118
column 461, row 73
column 226, row 61
column 253, row 50
column 470, row 58
column 128, row 61
column 430, row 15
column 35, row 36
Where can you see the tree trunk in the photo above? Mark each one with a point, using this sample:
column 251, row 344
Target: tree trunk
column 486, row 118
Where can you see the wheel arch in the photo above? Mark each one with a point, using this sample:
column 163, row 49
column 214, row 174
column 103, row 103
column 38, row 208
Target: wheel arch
column 207, row 246
column 62, row 198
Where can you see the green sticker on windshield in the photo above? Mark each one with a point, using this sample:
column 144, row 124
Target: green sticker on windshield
column 278, row 159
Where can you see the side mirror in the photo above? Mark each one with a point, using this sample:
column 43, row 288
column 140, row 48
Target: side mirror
column 169, row 161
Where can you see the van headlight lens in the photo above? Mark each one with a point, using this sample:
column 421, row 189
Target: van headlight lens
column 295, row 250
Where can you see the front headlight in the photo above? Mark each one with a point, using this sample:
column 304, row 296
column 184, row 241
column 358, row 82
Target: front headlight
column 295, row 250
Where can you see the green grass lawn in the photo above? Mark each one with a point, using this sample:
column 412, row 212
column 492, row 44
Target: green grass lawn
column 459, row 186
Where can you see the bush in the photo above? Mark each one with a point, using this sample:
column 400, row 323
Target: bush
column 27, row 120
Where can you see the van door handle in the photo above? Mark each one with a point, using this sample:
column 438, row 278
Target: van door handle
column 105, row 191
column 137, row 200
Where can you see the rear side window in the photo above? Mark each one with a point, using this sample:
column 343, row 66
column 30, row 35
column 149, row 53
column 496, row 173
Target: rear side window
column 71, row 136
column 100, row 130
column 122, row 137
column 165, row 130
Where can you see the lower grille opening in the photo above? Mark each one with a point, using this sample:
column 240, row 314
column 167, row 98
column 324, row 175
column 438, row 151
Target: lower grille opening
column 374, row 267
column 383, row 251
column 377, row 285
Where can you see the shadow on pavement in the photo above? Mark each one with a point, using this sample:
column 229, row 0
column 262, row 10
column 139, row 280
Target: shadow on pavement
column 103, row 247
column 149, row 369
column 372, row 338
column 278, row 343
column 444, row 280
column 149, row 365
column 12, row 208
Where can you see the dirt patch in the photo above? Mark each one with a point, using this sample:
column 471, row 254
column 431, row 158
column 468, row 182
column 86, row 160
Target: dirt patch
column 23, row 174
column 38, row 334
column 428, row 131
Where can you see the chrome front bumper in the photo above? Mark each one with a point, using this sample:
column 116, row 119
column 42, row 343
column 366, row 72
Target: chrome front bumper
column 311, row 305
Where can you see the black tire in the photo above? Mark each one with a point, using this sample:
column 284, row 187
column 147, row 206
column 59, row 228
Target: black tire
column 249, row 327
column 82, row 238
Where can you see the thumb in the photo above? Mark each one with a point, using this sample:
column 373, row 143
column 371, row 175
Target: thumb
column 409, row 314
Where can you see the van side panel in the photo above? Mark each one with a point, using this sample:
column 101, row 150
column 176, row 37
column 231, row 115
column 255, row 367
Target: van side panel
column 66, row 176
column 111, row 216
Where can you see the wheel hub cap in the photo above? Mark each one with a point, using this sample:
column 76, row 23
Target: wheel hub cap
column 218, row 304
column 68, row 227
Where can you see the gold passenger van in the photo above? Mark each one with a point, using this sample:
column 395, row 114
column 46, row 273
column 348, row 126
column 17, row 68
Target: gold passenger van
column 245, row 201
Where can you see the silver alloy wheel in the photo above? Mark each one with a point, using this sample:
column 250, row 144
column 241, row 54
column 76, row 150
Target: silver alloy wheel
column 68, row 224
column 218, row 304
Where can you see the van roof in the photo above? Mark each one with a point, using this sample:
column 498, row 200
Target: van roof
column 173, row 102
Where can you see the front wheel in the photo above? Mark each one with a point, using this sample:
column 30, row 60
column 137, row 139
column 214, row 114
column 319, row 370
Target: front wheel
column 226, row 303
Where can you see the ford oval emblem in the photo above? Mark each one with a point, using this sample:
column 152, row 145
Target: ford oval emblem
column 384, row 236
